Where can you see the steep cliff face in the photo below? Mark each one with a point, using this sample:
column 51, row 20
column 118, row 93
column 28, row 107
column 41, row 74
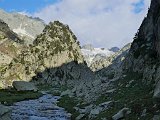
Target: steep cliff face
column 10, row 47
column 10, row 44
column 144, row 54
column 145, row 47
column 57, row 46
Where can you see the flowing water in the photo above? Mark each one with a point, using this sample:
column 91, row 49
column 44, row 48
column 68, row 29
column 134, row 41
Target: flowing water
column 44, row 108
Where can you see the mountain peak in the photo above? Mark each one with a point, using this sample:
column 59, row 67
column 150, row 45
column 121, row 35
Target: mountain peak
column 114, row 49
column 54, row 47
column 58, row 38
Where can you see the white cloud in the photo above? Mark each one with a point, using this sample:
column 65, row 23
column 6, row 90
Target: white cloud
column 104, row 23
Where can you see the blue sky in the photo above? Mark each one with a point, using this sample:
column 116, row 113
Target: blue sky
column 103, row 23
column 138, row 6
column 30, row 6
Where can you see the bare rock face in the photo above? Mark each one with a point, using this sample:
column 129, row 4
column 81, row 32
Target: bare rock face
column 144, row 48
column 10, row 47
column 143, row 56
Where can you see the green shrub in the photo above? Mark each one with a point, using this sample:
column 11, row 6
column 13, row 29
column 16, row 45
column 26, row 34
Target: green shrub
column 11, row 96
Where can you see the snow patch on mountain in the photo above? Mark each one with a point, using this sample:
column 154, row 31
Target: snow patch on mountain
column 21, row 31
column 91, row 54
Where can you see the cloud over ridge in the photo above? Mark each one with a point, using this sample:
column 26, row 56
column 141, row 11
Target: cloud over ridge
column 103, row 23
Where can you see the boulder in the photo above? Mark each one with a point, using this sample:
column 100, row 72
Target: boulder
column 67, row 92
column 156, row 117
column 121, row 114
column 24, row 86
column 80, row 117
column 100, row 108
column 157, row 91
column 5, row 112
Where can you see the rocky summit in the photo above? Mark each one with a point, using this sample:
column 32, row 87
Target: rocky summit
column 68, row 81
column 55, row 47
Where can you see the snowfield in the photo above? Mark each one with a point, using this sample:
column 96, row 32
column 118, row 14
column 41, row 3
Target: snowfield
column 98, row 53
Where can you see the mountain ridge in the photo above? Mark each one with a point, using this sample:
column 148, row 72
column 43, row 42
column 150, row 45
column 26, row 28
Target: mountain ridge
column 26, row 27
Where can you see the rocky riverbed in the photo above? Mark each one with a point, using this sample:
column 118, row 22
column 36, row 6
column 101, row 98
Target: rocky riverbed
column 44, row 108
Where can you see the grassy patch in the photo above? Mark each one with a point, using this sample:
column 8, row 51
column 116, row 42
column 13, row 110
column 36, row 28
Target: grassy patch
column 44, row 87
column 52, row 87
column 137, row 96
column 69, row 103
column 9, row 97
column 56, row 93
column 101, row 99
column 54, row 90
column 111, row 76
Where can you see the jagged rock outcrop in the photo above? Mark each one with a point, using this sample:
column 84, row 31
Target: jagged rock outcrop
column 145, row 48
column 144, row 53
column 26, row 27
column 56, row 47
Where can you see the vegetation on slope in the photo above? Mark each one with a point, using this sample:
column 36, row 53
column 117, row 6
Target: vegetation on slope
column 10, row 96
column 132, row 92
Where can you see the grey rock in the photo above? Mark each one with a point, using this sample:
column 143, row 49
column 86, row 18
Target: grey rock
column 24, row 86
column 157, row 91
column 80, row 117
column 114, row 49
column 121, row 114
column 5, row 112
column 156, row 117
column 67, row 92
column 144, row 112
column 100, row 108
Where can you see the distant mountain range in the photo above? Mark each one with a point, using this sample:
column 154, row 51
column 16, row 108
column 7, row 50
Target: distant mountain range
column 92, row 54
column 26, row 27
